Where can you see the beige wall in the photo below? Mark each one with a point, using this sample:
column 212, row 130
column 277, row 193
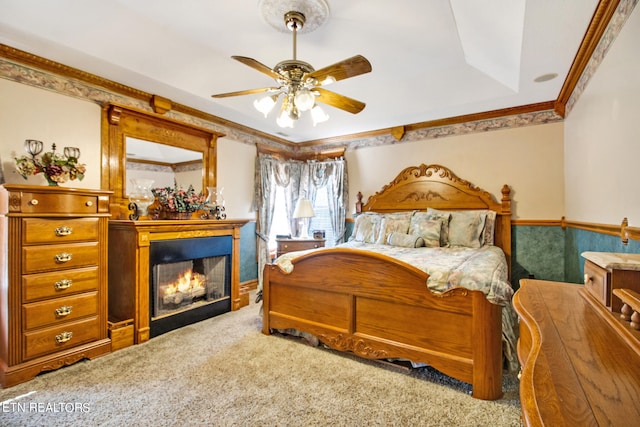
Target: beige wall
column 601, row 133
column 32, row 113
column 529, row 159
column 236, row 164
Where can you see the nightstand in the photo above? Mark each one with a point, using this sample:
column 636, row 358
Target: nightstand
column 606, row 271
column 292, row 245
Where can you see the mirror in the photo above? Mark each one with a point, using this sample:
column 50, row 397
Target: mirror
column 164, row 164
column 142, row 134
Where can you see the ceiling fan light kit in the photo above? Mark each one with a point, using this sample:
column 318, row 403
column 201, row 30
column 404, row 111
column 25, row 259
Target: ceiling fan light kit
column 298, row 81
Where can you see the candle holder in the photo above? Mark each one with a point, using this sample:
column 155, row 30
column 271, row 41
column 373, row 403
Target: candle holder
column 57, row 168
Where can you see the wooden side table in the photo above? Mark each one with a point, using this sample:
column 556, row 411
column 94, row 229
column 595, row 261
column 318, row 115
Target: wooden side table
column 292, row 245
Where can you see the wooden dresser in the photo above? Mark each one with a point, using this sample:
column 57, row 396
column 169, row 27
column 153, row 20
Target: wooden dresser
column 53, row 295
column 580, row 361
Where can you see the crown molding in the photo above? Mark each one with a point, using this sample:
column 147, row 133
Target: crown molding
column 608, row 19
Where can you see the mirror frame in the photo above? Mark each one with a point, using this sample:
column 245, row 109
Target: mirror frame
column 119, row 122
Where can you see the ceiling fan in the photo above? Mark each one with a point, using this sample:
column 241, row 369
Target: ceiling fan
column 301, row 85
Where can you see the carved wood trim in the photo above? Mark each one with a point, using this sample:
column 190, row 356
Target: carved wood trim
column 295, row 154
column 119, row 122
column 538, row 222
column 597, row 27
column 439, row 174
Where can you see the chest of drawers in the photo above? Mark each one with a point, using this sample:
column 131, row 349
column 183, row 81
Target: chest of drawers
column 54, row 278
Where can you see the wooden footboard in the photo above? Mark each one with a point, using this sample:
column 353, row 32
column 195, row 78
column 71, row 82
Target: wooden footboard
column 378, row 308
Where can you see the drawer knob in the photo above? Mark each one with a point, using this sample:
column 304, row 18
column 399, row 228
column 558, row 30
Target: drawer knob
column 64, row 310
column 587, row 278
column 63, row 257
column 63, row 231
column 33, row 202
column 89, row 203
column 62, row 284
column 64, row 337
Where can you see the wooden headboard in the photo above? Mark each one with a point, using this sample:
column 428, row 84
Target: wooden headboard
column 435, row 186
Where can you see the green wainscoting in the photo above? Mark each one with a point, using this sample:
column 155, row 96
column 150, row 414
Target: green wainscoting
column 551, row 253
column 578, row 241
column 537, row 251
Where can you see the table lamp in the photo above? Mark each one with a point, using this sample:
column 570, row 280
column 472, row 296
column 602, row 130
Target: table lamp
column 304, row 211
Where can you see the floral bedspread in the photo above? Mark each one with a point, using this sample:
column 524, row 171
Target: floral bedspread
column 483, row 269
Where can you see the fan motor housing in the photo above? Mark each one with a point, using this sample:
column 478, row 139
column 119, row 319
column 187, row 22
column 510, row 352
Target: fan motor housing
column 293, row 69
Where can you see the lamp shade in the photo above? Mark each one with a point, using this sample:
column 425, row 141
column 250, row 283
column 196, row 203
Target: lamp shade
column 303, row 209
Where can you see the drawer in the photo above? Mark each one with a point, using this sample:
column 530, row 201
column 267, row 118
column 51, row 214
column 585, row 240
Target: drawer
column 596, row 280
column 60, row 337
column 58, row 202
column 60, row 283
column 37, row 259
column 59, row 230
column 298, row 245
column 59, row 310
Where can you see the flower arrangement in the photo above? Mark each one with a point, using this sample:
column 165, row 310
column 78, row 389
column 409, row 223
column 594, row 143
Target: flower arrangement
column 57, row 168
column 174, row 199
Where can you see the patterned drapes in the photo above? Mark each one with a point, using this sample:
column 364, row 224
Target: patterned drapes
column 299, row 179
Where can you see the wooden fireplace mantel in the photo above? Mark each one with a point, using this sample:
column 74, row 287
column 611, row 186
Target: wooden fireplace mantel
column 129, row 243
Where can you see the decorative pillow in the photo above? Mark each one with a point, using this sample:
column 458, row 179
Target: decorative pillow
column 465, row 227
column 429, row 229
column 443, row 217
column 367, row 227
column 405, row 240
column 489, row 228
column 393, row 223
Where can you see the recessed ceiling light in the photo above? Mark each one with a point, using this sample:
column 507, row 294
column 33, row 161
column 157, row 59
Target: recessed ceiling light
column 545, row 77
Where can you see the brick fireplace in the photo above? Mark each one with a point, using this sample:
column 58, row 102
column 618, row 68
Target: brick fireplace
column 167, row 274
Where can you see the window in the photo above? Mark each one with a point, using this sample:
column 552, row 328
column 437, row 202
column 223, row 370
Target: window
column 322, row 220
column 280, row 225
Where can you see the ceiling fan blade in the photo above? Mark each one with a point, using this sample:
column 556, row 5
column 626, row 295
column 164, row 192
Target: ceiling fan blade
column 256, row 65
column 350, row 67
column 246, row 92
column 339, row 101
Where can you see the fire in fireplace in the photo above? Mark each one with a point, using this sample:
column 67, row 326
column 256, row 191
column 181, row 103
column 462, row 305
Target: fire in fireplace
column 180, row 285
column 190, row 281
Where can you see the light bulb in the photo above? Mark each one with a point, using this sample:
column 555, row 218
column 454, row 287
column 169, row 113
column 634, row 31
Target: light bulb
column 304, row 99
column 283, row 120
column 318, row 115
column 265, row 104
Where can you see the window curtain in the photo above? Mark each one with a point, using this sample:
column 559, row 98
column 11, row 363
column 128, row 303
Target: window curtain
column 331, row 174
column 299, row 179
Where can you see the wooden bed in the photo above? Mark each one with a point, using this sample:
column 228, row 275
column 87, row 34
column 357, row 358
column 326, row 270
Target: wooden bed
column 380, row 308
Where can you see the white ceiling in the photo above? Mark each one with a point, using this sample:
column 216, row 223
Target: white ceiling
column 431, row 59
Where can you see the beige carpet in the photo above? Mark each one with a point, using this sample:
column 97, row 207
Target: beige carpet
column 224, row 372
